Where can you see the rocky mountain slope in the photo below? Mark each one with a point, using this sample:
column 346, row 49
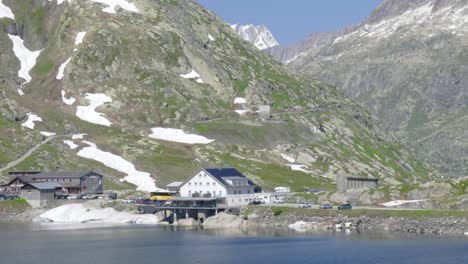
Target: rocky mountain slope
column 407, row 64
column 149, row 91
column 260, row 35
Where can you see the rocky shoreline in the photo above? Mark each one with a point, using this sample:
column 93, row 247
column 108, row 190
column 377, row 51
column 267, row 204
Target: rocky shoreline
column 253, row 218
column 265, row 217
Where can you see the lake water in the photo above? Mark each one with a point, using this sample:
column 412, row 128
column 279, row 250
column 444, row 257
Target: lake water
column 52, row 244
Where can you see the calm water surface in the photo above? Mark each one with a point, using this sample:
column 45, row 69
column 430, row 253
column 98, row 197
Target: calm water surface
column 53, row 244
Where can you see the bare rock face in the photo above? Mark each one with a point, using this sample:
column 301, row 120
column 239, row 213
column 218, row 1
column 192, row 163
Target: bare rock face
column 190, row 222
column 407, row 56
column 223, row 220
column 432, row 190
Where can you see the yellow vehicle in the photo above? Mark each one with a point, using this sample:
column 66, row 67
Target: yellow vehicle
column 162, row 196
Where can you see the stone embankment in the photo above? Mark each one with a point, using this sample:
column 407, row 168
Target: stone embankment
column 260, row 217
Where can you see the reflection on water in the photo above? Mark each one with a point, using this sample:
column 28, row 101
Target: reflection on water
column 52, row 243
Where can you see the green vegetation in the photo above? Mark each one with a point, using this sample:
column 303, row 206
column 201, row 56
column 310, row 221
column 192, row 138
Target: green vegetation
column 370, row 212
column 116, row 186
column 44, row 67
column 14, row 206
column 38, row 19
column 461, row 186
column 272, row 175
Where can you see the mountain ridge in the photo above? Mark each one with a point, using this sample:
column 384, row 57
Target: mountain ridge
column 175, row 65
column 408, row 57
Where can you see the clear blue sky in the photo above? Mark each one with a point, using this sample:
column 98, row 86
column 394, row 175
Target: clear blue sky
column 293, row 20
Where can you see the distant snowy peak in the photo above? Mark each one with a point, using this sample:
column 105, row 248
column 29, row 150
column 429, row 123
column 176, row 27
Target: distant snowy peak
column 260, row 35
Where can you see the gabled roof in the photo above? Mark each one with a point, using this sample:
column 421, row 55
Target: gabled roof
column 63, row 174
column 175, row 184
column 228, row 173
column 23, row 179
column 43, row 185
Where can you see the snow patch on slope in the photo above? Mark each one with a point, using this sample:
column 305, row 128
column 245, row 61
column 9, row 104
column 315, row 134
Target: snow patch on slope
column 112, row 4
column 81, row 213
column 422, row 20
column 62, row 69
column 79, row 38
column 240, row 100
column 59, row 2
column 47, row 134
column 178, row 135
column 241, row 112
column 71, row 144
column 141, row 179
column 5, row 11
column 29, row 123
column 79, row 136
column 26, row 57
column 89, row 114
column 401, row 202
column 298, row 167
column 192, row 75
column 67, row 101
column 288, row 158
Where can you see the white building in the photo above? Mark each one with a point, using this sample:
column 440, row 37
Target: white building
column 283, row 189
column 226, row 183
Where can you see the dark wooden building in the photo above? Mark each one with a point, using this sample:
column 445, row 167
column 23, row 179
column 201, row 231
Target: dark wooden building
column 344, row 183
column 69, row 182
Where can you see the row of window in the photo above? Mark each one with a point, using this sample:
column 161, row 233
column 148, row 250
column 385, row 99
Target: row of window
column 212, row 194
column 240, row 192
column 201, row 184
column 246, row 199
column 58, row 180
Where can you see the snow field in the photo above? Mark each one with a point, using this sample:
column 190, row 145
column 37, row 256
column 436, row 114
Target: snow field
column 80, row 213
column 26, row 57
column 192, row 75
column 141, row 179
column 112, row 4
column 5, row 11
column 29, row 123
column 400, row 202
column 67, row 101
column 178, row 135
column 89, row 114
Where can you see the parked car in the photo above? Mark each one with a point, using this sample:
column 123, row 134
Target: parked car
column 129, row 200
column 326, row 206
column 2, row 197
column 90, row 197
column 255, row 202
column 279, row 200
column 305, row 205
column 111, row 196
column 75, row 196
column 345, row 207
column 61, row 196
column 11, row 197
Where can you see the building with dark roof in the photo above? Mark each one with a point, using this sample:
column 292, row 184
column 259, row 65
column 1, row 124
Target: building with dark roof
column 37, row 194
column 87, row 182
column 227, row 183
